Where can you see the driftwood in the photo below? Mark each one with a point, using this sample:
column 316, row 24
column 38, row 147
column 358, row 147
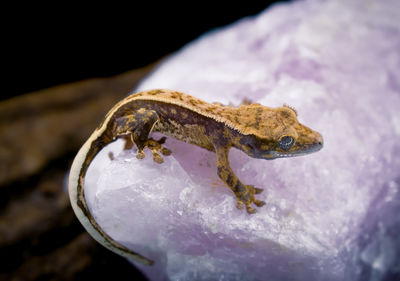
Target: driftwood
column 40, row 132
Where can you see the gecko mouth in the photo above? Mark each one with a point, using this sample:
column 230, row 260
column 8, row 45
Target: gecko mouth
column 306, row 149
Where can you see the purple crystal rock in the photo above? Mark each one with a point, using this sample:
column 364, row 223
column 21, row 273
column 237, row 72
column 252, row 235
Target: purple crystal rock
column 332, row 215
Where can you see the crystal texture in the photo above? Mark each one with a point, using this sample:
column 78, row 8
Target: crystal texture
column 331, row 215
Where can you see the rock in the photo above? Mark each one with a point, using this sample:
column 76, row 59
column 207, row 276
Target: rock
column 332, row 215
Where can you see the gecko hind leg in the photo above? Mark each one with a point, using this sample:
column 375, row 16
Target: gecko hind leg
column 135, row 128
column 155, row 147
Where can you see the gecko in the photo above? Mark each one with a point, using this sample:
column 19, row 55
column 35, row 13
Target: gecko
column 259, row 131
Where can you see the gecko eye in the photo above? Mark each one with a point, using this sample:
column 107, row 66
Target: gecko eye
column 286, row 143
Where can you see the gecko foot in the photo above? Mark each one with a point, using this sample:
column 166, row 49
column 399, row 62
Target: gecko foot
column 249, row 209
column 156, row 147
column 246, row 198
column 165, row 151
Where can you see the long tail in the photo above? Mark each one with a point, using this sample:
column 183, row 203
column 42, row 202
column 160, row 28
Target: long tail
column 88, row 151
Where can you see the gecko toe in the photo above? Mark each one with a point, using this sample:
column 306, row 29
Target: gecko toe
column 157, row 158
column 162, row 140
column 259, row 203
column 258, row 190
column 254, row 190
column 240, row 205
column 156, row 147
column 247, row 198
column 140, row 155
column 166, row 151
column 250, row 210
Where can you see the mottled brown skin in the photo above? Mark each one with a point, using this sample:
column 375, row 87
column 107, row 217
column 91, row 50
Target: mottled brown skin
column 259, row 131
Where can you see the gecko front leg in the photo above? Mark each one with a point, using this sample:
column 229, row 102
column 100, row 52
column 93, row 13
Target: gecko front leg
column 244, row 193
column 135, row 128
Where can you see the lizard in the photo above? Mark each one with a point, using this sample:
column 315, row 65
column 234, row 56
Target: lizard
column 259, row 131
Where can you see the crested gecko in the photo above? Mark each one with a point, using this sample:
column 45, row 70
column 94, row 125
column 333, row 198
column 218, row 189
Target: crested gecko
column 259, row 131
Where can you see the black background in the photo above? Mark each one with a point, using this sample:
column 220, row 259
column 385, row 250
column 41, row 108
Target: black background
column 53, row 44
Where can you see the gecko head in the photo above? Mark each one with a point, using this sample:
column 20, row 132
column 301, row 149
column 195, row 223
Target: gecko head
column 281, row 135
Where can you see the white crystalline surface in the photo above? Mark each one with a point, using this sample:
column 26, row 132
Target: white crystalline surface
column 332, row 215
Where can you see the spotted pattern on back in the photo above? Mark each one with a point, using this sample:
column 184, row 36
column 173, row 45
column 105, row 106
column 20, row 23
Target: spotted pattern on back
column 254, row 119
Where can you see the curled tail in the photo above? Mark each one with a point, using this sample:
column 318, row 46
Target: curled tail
column 86, row 154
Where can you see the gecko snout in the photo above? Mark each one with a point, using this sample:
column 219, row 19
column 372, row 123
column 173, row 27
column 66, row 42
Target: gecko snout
column 318, row 144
